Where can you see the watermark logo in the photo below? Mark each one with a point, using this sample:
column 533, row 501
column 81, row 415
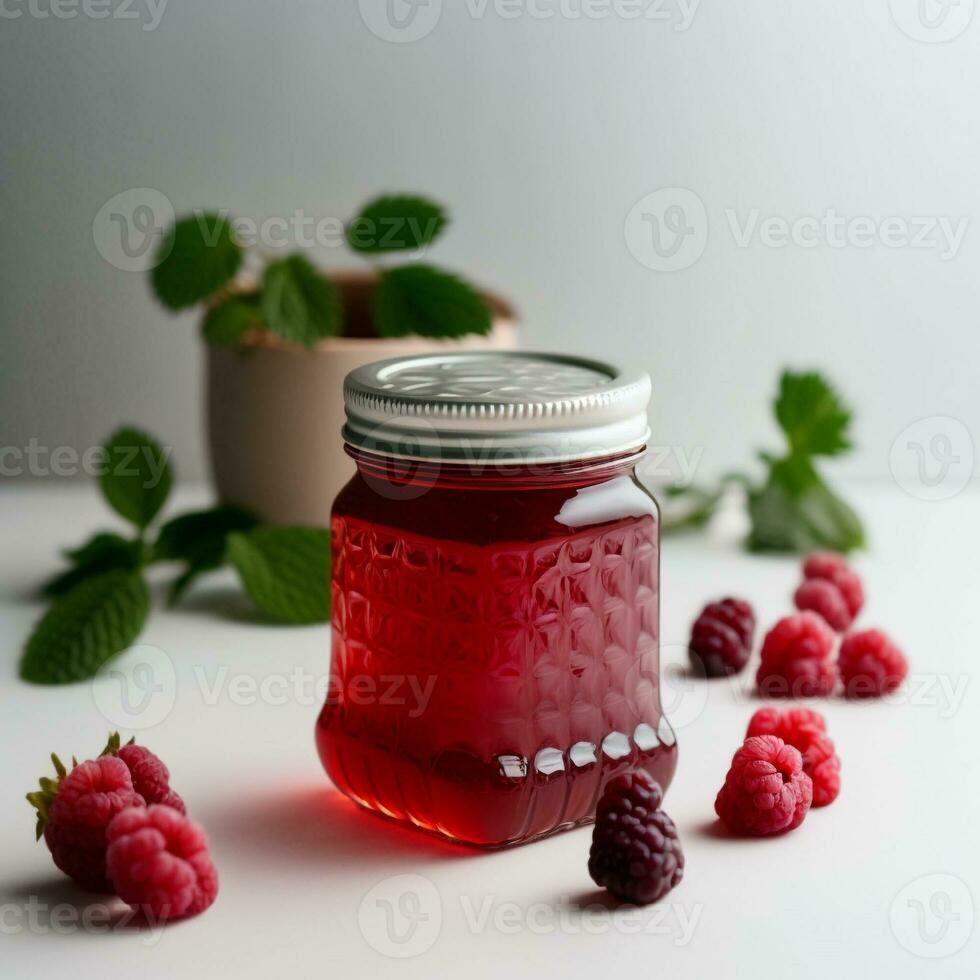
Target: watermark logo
column 128, row 228
column 139, row 690
column 401, row 917
column 667, row 230
column 400, row 21
column 932, row 459
column 683, row 691
column 932, row 21
column 932, row 916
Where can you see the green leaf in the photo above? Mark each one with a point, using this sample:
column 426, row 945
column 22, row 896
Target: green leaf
column 421, row 300
column 226, row 323
column 285, row 571
column 688, row 507
column 137, row 476
column 812, row 416
column 395, row 223
column 197, row 256
column 85, row 628
column 101, row 553
column 199, row 539
column 299, row 303
column 41, row 799
column 797, row 512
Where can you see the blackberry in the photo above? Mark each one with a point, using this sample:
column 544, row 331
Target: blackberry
column 635, row 854
column 721, row 638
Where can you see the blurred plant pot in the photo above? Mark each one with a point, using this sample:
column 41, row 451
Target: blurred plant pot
column 275, row 410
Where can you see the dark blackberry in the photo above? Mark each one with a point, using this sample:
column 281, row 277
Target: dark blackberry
column 721, row 638
column 635, row 854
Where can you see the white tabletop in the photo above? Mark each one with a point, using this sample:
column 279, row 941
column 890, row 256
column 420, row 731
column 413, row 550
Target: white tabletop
column 878, row 884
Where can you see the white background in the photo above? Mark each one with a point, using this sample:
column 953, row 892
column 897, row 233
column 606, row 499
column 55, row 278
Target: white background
column 540, row 134
column 302, row 870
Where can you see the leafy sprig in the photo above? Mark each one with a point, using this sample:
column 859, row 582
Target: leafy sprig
column 792, row 509
column 199, row 259
column 101, row 602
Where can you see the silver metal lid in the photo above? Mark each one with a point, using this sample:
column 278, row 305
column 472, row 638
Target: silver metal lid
column 496, row 408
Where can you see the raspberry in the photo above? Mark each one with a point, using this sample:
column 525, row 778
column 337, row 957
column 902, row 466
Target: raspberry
column 823, row 564
column 822, row 764
column 796, row 658
column 825, row 599
column 766, row 791
column 159, row 862
column 721, row 638
column 635, row 851
column 870, row 664
column 806, row 731
column 74, row 812
column 831, row 567
column 788, row 725
column 151, row 778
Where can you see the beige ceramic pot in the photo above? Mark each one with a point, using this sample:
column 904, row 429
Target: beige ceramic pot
column 275, row 410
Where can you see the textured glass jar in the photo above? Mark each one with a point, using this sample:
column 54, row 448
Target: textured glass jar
column 495, row 595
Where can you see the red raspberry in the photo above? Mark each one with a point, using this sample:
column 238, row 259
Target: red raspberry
column 806, row 731
column 74, row 812
column 159, row 862
column 870, row 664
column 831, row 567
column 823, row 564
column 151, row 778
column 721, row 638
column 822, row 764
column 635, row 851
column 824, row 598
column 766, row 791
column 796, row 658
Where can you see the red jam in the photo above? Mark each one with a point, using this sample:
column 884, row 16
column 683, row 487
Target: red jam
column 495, row 643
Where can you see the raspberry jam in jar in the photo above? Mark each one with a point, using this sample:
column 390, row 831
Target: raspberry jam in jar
column 495, row 595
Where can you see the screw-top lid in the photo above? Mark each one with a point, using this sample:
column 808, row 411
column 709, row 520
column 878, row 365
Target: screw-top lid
column 496, row 408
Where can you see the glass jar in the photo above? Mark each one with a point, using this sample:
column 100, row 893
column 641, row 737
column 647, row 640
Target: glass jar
column 495, row 595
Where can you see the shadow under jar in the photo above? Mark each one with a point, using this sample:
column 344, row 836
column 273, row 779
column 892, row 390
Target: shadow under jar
column 496, row 594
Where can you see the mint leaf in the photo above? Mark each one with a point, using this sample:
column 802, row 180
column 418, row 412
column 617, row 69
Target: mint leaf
column 299, row 303
column 812, row 416
column 198, row 256
column 225, row 323
column 199, row 539
column 101, row 553
column 421, row 300
column 795, row 511
column 137, row 477
column 285, row 571
column 395, row 223
column 87, row 626
column 685, row 508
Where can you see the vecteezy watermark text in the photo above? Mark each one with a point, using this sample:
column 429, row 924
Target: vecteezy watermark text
column 41, row 918
column 148, row 12
column 35, row 459
column 667, row 230
column 140, row 690
column 833, row 230
column 404, row 21
column 402, row 917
